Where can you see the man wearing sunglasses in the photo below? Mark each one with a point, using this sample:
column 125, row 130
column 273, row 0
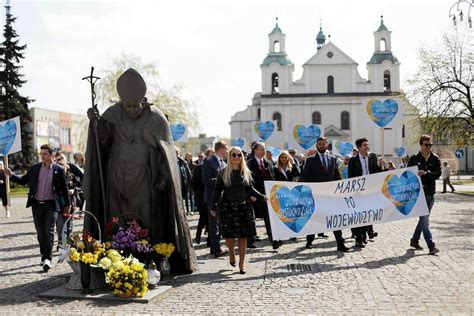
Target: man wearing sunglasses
column 429, row 167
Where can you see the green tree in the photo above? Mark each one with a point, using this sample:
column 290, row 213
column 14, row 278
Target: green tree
column 13, row 103
column 170, row 101
column 442, row 87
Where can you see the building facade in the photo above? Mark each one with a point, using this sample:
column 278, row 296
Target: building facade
column 330, row 93
column 64, row 131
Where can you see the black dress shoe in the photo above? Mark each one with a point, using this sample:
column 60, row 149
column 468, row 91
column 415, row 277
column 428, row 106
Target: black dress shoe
column 197, row 240
column 252, row 246
column 220, row 254
column 308, row 245
column 342, row 248
column 359, row 244
column 322, row 235
column 372, row 235
column 277, row 244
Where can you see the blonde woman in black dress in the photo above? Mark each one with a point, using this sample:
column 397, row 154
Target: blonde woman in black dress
column 231, row 199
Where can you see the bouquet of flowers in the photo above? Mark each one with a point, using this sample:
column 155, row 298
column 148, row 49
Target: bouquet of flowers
column 126, row 276
column 84, row 248
column 164, row 249
column 131, row 239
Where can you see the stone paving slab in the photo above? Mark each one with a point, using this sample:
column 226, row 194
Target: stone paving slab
column 386, row 277
column 103, row 295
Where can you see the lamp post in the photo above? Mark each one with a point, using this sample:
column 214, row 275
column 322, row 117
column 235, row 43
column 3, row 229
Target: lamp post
column 467, row 5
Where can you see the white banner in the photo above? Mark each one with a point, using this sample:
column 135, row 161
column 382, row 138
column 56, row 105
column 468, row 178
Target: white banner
column 299, row 209
column 10, row 136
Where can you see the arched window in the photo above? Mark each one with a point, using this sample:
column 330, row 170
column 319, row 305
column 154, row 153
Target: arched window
column 259, row 113
column 386, row 81
column 316, row 118
column 382, row 45
column 345, row 120
column 330, row 84
column 403, row 131
column 276, row 46
column 275, row 88
column 277, row 117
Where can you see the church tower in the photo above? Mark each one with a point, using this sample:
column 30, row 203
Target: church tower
column 320, row 38
column 277, row 68
column 383, row 67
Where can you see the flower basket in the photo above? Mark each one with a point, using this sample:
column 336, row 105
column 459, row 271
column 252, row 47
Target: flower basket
column 97, row 276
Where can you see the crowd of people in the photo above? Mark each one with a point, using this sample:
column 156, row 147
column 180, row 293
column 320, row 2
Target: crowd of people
column 225, row 186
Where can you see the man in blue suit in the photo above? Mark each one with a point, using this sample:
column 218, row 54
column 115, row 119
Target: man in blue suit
column 210, row 169
column 48, row 197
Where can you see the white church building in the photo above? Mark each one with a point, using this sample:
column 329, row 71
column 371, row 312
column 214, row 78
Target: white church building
column 330, row 93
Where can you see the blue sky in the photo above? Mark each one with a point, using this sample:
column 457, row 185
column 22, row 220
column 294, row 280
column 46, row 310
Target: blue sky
column 213, row 47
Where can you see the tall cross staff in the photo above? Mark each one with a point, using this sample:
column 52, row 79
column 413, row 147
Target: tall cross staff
column 92, row 80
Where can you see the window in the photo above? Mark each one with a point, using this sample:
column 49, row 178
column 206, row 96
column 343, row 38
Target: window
column 403, row 131
column 386, row 81
column 275, row 88
column 259, row 113
column 65, row 136
column 316, row 118
column 382, row 45
column 276, row 46
column 330, row 84
column 277, row 117
column 345, row 120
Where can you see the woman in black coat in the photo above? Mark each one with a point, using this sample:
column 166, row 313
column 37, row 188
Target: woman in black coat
column 285, row 170
column 231, row 199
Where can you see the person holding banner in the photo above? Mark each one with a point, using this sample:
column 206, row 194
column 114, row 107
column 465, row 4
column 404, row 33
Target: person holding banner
column 363, row 164
column 48, row 196
column 429, row 167
column 231, row 200
column 262, row 170
column 3, row 190
column 322, row 167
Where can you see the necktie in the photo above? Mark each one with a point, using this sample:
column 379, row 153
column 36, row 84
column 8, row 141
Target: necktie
column 366, row 167
column 262, row 166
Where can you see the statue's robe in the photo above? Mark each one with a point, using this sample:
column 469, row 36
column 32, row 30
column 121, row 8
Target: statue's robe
column 141, row 176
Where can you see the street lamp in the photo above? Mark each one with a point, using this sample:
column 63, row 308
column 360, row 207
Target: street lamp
column 463, row 3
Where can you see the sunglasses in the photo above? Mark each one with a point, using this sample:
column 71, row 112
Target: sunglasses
column 428, row 145
column 234, row 155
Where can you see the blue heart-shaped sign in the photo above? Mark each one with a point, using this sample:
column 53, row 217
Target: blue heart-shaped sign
column 274, row 150
column 240, row 142
column 402, row 191
column 294, row 207
column 399, row 151
column 459, row 153
column 7, row 136
column 306, row 136
column 344, row 148
column 177, row 131
column 382, row 112
column 264, row 129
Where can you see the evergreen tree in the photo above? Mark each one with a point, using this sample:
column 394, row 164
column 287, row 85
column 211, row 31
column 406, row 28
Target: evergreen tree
column 12, row 102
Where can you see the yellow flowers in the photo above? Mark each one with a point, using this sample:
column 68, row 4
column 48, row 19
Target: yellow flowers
column 105, row 263
column 164, row 249
column 127, row 277
column 74, row 255
column 89, row 258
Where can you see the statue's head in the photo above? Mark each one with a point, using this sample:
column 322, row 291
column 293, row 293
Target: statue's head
column 131, row 88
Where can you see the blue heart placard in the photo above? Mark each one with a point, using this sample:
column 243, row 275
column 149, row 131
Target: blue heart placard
column 7, row 136
column 239, row 142
column 400, row 151
column 344, row 148
column 402, row 191
column 264, row 129
column 306, row 137
column 294, row 207
column 274, row 150
column 177, row 131
column 382, row 112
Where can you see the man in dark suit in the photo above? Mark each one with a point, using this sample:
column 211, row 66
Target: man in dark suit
column 364, row 163
column 210, row 169
column 322, row 167
column 48, row 197
column 262, row 170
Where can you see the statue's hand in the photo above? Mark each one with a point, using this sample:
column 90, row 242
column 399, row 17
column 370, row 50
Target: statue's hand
column 93, row 114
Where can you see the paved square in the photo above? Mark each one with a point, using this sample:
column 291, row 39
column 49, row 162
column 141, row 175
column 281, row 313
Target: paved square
column 385, row 277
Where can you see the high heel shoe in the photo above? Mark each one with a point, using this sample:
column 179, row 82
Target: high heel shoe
column 241, row 268
column 242, row 271
column 232, row 263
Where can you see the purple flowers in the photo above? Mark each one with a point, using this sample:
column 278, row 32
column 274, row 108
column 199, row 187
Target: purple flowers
column 133, row 238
